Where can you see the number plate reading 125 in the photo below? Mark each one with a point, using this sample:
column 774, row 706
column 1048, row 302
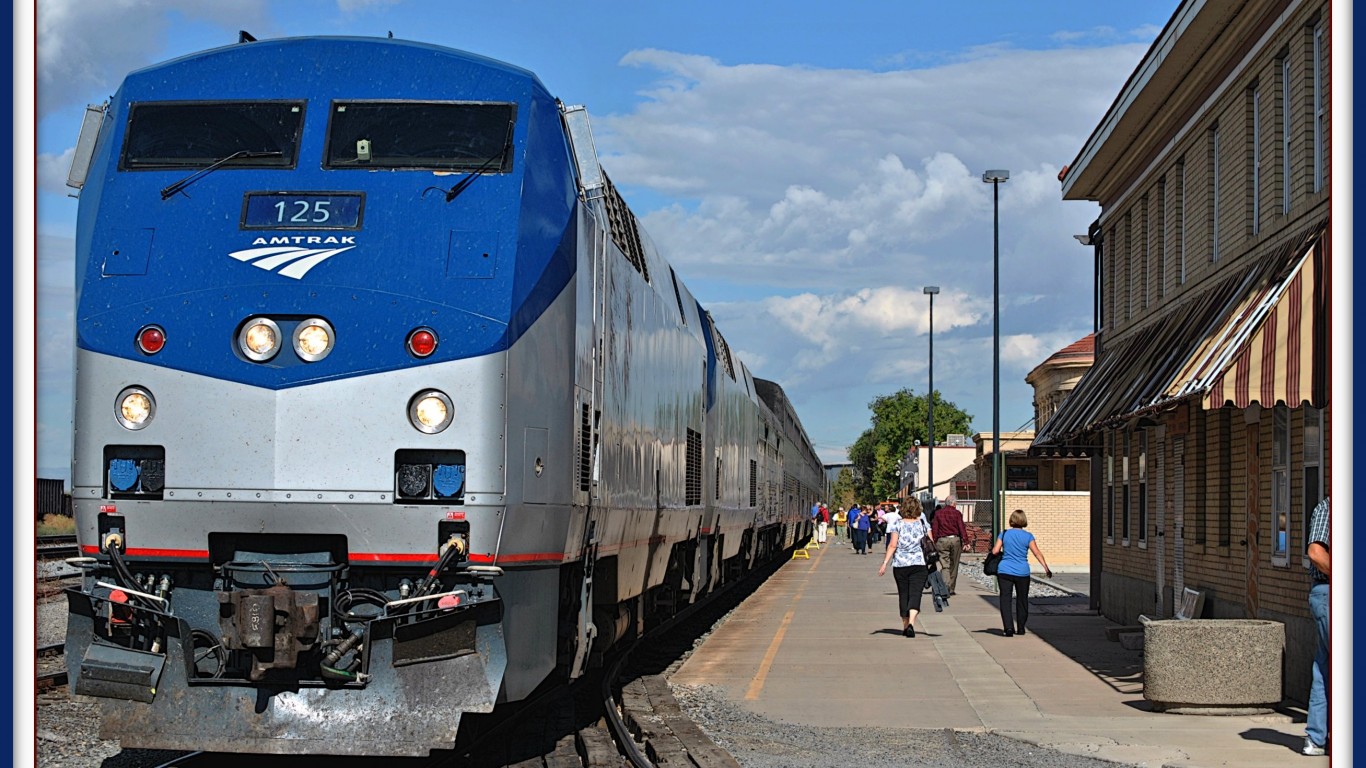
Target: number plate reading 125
column 302, row 210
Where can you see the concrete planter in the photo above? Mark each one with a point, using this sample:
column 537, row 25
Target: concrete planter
column 1213, row 666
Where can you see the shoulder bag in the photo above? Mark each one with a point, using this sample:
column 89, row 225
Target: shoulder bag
column 993, row 561
column 927, row 548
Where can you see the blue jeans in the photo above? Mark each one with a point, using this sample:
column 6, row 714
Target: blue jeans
column 1316, row 723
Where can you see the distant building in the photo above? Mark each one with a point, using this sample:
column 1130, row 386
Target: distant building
column 1055, row 378
column 832, row 474
column 950, row 457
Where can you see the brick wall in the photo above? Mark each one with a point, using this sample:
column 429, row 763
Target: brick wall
column 1060, row 522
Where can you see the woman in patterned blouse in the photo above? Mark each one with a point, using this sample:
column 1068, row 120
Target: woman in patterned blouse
column 908, row 562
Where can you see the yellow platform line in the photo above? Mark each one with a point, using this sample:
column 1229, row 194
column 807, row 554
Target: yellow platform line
column 757, row 684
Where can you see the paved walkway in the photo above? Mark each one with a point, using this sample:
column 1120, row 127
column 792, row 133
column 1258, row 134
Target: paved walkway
column 786, row 654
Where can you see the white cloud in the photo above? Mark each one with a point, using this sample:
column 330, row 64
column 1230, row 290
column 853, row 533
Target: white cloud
column 54, row 361
column 85, row 48
column 53, row 170
column 829, row 198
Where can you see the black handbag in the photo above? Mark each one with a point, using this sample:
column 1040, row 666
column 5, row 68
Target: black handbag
column 927, row 548
column 993, row 562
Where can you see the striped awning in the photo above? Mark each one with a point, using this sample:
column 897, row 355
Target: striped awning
column 1273, row 350
column 1258, row 334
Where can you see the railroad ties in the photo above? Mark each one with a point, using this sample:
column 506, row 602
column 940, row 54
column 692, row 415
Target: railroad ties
column 51, row 664
column 668, row 737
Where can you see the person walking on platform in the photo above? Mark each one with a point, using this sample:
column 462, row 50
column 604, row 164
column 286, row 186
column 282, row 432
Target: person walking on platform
column 823, row 525
column 909, row 569
column 839, row 523
column 950, row 536
column 1316, row 721
column 1012, row 576
column 858, row 527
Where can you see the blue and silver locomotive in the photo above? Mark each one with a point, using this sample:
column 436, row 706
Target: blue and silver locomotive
column 387, row 410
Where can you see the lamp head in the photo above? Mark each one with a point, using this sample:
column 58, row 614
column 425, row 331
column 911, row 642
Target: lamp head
column 992, row 177
column 931, row 289
column 1083, row 239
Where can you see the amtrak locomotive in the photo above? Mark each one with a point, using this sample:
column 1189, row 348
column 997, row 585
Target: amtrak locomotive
column 387, row 410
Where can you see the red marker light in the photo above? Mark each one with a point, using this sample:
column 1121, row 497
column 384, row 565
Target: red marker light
column 421, row 342
column 118, row 596
column 151, row 339
column 448, row 601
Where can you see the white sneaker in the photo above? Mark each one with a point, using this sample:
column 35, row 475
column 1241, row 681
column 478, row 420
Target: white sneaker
column 1310, row 748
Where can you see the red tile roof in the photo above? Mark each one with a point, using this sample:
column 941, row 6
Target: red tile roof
column 1083, row 347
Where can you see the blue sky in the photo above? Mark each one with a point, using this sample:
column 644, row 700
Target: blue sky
column 807, row 167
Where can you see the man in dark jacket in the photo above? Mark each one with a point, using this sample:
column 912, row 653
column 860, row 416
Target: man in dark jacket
column 950, row 536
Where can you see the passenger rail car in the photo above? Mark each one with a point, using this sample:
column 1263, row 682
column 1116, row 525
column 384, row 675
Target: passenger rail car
column 387, row 411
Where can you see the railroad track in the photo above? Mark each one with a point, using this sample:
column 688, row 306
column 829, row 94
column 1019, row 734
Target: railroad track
column 57, row 547
column 51, row 666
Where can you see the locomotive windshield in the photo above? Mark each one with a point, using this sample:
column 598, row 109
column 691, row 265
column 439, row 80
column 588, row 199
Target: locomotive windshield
column 460, row 136
column 258, row 134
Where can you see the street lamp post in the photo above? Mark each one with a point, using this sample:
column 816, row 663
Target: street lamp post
column 995, row 179
column 931, row 290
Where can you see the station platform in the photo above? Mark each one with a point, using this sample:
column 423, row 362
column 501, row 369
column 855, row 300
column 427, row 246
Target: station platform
column 785, row 655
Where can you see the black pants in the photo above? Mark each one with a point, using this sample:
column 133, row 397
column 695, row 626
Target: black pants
column 860, row 540
column 910, row 582
column 1019, row 586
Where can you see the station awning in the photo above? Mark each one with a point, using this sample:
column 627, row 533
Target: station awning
column 1272, row 350
column 1257, row 335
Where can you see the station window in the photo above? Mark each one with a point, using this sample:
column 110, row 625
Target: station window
column 1287, row 110
column 1181, row 222
column 1110, row 490
column 1124, row 490
column 1319, row 108
column 1280, row 485
column 1143, row 488
column 1314, row 489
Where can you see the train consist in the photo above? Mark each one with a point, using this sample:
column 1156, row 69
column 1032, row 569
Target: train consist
column 387, row 410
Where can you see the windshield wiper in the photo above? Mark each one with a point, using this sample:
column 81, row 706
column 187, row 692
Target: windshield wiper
column 166, row 192
column 467, row 179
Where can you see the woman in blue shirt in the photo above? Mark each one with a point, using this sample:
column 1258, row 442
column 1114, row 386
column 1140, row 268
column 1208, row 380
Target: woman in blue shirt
column 858, row 527
column 1013, row 574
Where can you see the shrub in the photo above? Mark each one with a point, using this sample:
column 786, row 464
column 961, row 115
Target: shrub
column 54, row 525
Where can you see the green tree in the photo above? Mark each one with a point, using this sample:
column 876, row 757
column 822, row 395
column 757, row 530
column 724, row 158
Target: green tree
column 899, row 419
column 843, row 490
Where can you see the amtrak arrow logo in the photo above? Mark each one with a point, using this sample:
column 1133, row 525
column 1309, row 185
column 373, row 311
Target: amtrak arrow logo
column 294, row 261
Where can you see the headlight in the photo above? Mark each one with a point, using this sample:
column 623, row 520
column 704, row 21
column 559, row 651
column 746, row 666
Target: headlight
column 259, row 339
column 431, row 411
column 134, row 408
column 313, row 340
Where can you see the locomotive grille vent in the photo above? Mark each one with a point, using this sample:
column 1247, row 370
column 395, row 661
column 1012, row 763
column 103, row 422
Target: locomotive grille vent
column 753, row 483
column 583, row 468
column 724, row 349
column 678, row 296
column 692, row 491
column 625, row 234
